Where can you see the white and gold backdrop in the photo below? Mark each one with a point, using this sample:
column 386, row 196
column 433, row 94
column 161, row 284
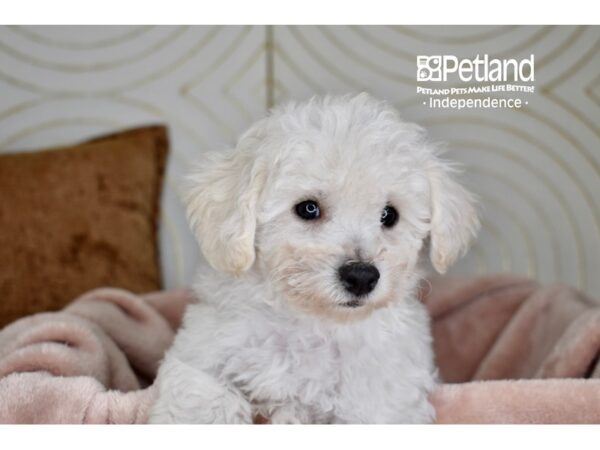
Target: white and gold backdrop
column 536, row 169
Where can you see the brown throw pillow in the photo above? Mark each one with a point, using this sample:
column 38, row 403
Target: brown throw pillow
column 80, row 217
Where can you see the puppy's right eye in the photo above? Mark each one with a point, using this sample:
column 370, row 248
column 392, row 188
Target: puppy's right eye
column 308, row 210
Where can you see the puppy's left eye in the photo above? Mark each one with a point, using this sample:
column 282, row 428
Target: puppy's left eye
column 389, row 216
column 308, row 210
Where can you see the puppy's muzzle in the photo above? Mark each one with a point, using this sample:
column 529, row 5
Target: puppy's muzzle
column 358, row 278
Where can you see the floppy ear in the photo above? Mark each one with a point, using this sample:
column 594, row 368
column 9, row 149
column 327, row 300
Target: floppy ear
column 221, row 202
column 454, row 220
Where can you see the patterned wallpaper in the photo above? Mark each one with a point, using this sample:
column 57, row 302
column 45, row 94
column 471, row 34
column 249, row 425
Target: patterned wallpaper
column 536, row 170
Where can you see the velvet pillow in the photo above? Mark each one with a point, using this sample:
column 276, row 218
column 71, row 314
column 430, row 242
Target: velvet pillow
column 80, row 217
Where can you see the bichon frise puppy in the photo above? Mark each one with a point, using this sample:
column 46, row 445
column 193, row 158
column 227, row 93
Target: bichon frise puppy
column 313, row 226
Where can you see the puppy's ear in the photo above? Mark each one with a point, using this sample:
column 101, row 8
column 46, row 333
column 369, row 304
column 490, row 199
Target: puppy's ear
column 221, row 200
column 454, row 220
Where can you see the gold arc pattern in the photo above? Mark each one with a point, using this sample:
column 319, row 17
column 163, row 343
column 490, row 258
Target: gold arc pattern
column 109, row 65
column 48, row 40
column 548, row 183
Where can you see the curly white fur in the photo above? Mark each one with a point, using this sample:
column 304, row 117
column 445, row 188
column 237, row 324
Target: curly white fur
column 273, row 335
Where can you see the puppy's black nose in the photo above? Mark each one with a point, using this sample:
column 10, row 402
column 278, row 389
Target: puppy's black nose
column 359, row 278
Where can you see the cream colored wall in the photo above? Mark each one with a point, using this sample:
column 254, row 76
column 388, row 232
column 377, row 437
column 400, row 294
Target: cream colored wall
column 537, row 170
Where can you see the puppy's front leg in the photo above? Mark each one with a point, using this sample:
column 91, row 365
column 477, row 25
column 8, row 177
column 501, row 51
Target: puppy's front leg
column 188, row 395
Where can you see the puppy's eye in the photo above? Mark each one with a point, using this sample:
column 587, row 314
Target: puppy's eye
column 389, row 216
column 308, row 210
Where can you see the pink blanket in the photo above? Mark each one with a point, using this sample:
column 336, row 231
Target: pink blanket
column 509, row 351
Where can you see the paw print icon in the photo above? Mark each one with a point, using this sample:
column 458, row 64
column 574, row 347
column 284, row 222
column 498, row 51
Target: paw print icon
column 429, row 68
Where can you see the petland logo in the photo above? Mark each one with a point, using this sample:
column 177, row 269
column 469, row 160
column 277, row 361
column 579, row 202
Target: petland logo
column 481, row 68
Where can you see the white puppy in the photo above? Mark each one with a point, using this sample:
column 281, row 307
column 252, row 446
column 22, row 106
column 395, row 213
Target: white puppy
column 313, row 227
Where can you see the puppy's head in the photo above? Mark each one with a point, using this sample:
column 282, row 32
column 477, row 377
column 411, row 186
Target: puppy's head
column 330, row 201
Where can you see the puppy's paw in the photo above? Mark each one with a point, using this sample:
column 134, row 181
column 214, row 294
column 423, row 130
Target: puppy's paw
column 290, row 414
column 187, row 395
column 424, row 414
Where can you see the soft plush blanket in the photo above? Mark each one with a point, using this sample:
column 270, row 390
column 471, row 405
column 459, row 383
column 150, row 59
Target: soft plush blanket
column 509, row 351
